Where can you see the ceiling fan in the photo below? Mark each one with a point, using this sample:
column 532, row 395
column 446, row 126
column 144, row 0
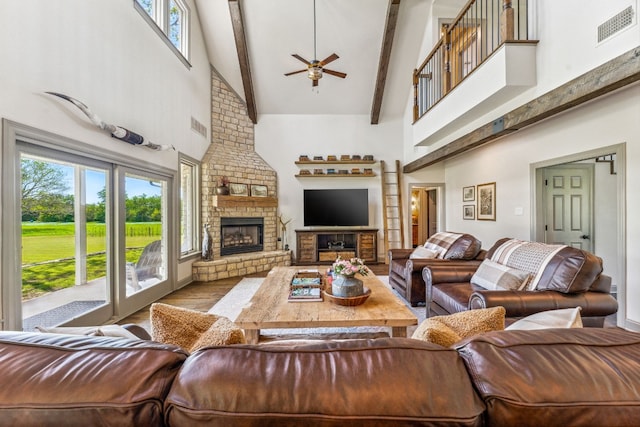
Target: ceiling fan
column 315, row 68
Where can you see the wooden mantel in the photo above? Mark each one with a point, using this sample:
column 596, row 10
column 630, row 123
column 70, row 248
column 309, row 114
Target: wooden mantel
column 244, row 202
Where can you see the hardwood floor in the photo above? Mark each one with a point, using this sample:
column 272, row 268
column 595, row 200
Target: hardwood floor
column 202, row 296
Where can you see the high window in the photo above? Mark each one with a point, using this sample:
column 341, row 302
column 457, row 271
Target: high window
column 170, row 19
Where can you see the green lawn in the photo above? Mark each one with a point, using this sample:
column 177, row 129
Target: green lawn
column 49, row 242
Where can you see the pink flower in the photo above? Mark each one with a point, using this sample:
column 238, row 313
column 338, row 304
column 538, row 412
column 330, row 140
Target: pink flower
column 350, row 267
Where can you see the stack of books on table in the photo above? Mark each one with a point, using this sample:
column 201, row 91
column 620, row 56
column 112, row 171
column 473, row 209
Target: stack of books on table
column 306, row 286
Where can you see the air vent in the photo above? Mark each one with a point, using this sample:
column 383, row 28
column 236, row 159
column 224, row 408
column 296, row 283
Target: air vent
column 198, row 127
column 615, row 24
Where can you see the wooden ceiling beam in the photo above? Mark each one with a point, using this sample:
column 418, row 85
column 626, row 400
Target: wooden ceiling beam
column 385, row 55
column 614, row 74
column 243, row 58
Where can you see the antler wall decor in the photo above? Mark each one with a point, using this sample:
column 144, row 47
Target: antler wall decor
column 117, row 132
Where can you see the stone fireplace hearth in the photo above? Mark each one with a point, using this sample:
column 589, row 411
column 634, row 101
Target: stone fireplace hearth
column 232, row 155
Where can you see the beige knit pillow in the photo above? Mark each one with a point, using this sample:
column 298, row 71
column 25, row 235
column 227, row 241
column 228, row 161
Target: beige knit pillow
column 191, row 329
column 448, row 330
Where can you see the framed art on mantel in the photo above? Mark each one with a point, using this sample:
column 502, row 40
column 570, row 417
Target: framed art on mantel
column 258, row 190
column 487, row 201
column 237, row 189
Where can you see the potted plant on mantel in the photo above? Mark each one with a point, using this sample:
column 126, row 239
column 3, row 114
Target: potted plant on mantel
column 223, row 186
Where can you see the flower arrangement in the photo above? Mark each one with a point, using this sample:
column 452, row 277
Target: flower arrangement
column 350, row 267
column 223, row 182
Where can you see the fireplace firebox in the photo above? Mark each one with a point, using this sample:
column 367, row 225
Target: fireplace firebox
column 241, row 235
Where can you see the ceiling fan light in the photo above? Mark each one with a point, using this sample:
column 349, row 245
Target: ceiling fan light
column 315, row 73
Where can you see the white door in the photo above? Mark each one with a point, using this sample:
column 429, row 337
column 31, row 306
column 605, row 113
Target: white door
column 568, row 205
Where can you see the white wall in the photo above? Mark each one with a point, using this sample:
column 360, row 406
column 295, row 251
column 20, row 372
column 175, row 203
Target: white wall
column 564, row 52
column 607, row 121
column 281, row 139
column 103, row 53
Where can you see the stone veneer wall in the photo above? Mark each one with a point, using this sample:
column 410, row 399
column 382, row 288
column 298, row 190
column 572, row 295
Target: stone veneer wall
column 232, row 154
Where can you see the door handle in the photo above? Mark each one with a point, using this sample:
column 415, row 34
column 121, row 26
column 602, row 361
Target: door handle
column 584, row 236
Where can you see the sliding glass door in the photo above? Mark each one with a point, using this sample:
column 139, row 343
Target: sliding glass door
column 87, row 235
column 145, row 245
column 64, row 238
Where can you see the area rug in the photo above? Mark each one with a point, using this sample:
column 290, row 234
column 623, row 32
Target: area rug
column 238, row 297
column 58, row 315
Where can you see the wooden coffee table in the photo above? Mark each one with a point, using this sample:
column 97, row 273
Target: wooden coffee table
column 269, row 308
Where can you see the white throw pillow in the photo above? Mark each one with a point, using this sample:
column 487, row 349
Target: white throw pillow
column 71, row 330
column 105, row 330
column 494, row 276
column 562, row 318
column 421, row 252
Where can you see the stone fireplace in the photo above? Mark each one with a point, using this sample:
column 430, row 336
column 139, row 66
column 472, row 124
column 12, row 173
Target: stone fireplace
column 232, row 155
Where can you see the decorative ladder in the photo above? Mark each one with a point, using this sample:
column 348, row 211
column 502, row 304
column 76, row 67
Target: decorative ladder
column 392, row 208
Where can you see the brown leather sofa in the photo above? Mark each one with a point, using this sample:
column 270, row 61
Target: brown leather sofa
column 405, row 274
column 572, row 278
column 555, row 377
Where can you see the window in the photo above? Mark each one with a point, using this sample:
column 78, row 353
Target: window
column 189, row 206
column 170, row 19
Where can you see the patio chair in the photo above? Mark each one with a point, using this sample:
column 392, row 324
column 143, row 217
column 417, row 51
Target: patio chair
column 147, row 267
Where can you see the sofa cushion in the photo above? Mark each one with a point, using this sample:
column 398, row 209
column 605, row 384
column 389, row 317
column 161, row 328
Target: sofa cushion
column 421, row 252
column 553, row 267
column 388, row 381
column 450, row 245
column 448, row 330
column 571, row 270
column 191, row 329
column 556, row 377
column 493, row 276
column 66, row 380
column 561, row 318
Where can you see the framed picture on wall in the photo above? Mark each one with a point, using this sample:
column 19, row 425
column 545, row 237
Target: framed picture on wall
column 258, row 190
column 469, row 193
column 487, row 201
column 469, row 212
column 236, row 189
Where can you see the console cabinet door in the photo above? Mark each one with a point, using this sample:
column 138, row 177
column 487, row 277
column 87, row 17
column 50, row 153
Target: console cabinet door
column 307, row 248
column 367, row 248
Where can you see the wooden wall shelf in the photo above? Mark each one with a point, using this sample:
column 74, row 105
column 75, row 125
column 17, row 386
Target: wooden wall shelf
column 337, row 175
column 244, row 201
column 335, row 162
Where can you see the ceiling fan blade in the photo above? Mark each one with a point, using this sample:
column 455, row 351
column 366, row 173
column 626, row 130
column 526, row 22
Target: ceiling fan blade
column 315, row 83
column 300, row 58
column 328, row 59
column 335, row 73
column 295, row 72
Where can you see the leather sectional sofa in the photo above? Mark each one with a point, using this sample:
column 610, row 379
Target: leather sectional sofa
column 554, row 377
column 570, row 278
column 405, row 272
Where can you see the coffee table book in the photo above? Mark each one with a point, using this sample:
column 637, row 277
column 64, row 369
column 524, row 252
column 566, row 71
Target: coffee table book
column 306, row 286
column 305, row 294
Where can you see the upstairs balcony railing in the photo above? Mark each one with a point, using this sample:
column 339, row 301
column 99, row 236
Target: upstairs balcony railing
column 479, row 30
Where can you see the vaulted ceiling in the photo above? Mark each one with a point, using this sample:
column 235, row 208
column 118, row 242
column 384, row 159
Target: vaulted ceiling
column 355, row 30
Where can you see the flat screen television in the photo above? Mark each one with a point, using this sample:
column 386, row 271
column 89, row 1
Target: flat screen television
column 336, row 207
